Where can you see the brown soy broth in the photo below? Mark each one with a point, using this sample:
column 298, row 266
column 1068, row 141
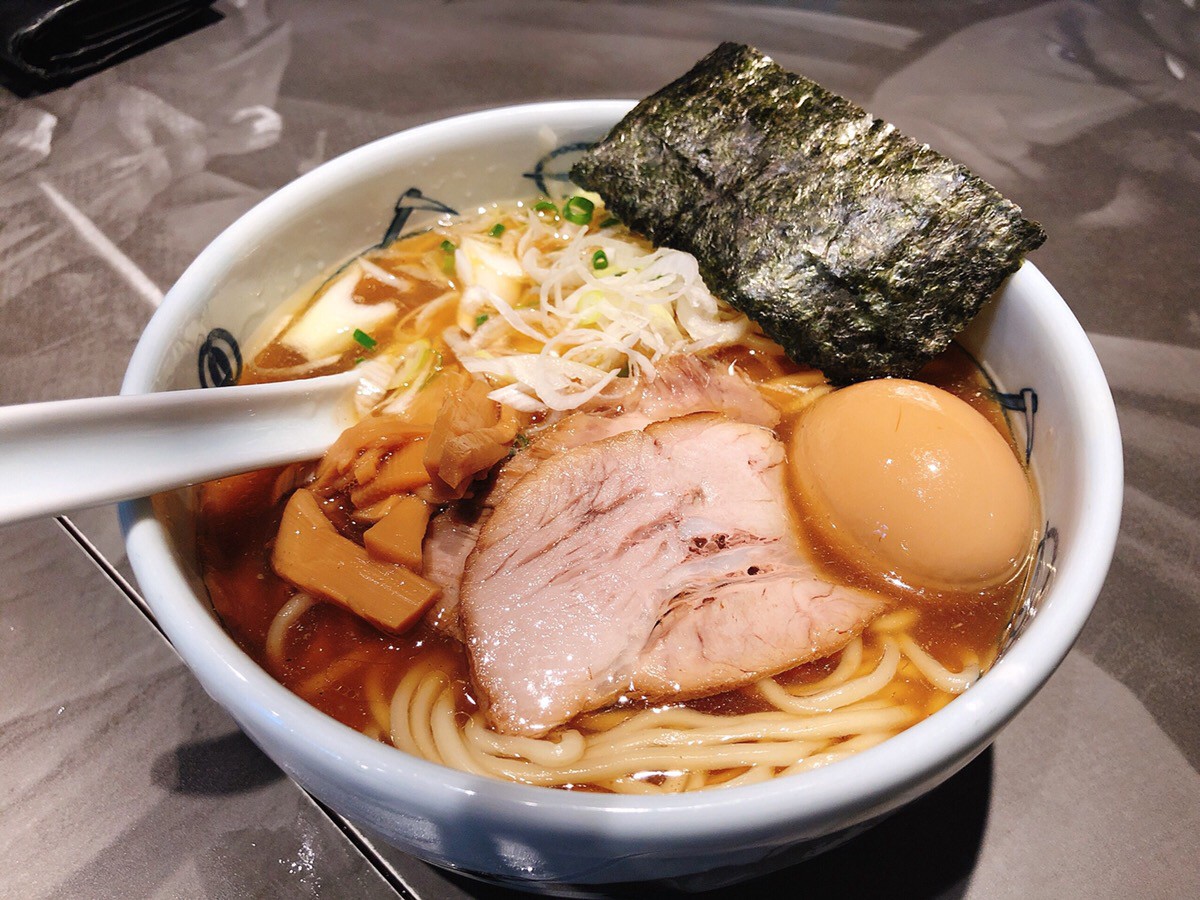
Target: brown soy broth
column 347, row 669
column 247, row 595
column 334, row 656
column 369, row 291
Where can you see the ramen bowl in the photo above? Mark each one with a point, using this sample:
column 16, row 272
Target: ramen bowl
column 541, row 838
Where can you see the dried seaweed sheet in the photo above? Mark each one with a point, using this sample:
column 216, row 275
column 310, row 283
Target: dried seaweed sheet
column 860, row 250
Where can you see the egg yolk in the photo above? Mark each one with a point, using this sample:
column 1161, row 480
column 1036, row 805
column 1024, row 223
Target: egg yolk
column 910, row 483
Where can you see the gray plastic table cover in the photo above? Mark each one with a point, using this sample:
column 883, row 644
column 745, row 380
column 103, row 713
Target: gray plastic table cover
column 120, row 778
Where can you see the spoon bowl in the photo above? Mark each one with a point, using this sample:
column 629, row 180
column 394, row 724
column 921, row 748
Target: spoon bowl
column 71, row 454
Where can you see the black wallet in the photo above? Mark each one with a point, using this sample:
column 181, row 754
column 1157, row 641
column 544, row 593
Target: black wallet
column 49, row 43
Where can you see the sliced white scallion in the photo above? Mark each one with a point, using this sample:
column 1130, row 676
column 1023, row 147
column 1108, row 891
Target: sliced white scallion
column 417, row 363
column 587, row 323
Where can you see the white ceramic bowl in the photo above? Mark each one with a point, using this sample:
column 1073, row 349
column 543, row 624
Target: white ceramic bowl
column 539, row 836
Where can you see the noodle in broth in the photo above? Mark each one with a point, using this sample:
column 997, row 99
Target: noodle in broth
column 540, row 349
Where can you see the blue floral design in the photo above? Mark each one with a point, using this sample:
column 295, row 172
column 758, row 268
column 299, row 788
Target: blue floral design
column 219, row 361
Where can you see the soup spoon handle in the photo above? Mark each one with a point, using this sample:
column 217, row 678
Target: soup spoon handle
column 71, row 454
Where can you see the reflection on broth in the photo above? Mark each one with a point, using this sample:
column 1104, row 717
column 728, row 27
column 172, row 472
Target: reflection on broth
column 539, row 363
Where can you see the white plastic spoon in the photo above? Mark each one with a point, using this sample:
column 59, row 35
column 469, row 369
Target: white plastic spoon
column 71, row 454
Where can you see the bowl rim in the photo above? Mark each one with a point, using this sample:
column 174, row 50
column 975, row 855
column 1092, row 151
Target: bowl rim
column 892, row 770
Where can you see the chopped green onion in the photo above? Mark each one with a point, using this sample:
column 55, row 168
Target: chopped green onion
column 611, row 220
column 496, row 230
column 449, row 246
column 359, row 360
column 545, row 206
column 599, row 260
column 522, row 441
column 480, row 319
column 578, row 210
column 365, row 339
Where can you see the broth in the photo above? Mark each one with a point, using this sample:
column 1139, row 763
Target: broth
column 351, row 671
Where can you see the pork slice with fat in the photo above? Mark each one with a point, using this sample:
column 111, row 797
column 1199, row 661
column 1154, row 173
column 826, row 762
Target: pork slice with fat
column 684, row 385
column 689, row 384
column 601, row 569
column 449, row 540
column 734, row 630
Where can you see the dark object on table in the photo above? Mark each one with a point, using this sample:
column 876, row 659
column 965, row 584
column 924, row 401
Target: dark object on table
column 46, row 44
column 859, row 250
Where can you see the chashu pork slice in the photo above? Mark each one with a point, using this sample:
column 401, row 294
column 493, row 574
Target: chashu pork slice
column 684, row 384
column 687, row 384
column 660, row 562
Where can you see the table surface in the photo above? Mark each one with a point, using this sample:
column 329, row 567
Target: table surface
column 120, row 778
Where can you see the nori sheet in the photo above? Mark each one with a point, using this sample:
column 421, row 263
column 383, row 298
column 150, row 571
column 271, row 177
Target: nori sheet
column 858, row 249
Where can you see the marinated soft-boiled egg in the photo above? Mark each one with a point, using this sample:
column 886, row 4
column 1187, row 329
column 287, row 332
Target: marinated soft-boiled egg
column 910, row 483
